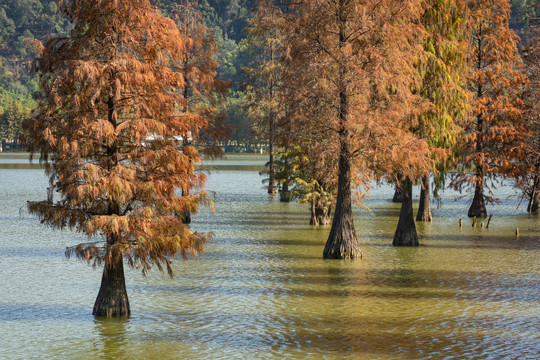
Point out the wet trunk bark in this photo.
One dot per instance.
(534, 201)
(424, 208)
(272, 187)
(342, 242)
(406, 230)
(398, 195)
(112, 299)
(478, 206)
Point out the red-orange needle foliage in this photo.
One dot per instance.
(352, 67)
(111, 106)
(494, 134)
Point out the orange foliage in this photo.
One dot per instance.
(114, 84)
(494, 134)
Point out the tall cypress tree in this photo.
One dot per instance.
(110, 111)
(492, 137)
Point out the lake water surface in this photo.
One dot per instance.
(262, 290)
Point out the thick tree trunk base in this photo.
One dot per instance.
(342, 244)
(320, 216)
(406, 234)
(478, 206)
(112, 299)
(424, 207)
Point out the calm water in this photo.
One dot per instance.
(261, 289)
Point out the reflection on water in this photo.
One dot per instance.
(262, 290)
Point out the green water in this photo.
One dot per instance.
(261, 290)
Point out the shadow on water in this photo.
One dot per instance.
(41, 312)
(335, 282)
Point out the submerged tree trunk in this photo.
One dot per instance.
(112, 299)
(398, 195)
(186, 215)
(320, 215)
(424, 208)
(478, 206)
(342, 242)
(406, 230)
(272, 186)
(534, 201)
(285, 195)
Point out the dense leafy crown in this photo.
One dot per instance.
(110, 114)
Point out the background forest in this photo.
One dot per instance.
(22, 21)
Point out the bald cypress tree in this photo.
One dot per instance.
(110, 110)
(443, 71)
(353, 72)
(494, 134)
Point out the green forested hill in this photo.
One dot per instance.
(22, 21)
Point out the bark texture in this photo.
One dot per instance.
(424, 207)
(534, 201)
(478, 206)
(398, 195)
(112, 299)
(406, 230)
(272, 186)
(342, 242)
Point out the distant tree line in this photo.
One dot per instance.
(23, 21)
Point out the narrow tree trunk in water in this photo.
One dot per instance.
(112, 299)
(406, 230)
(478, 206)
(272, 187)
(398, 195)
(285, 195)
(186, 216)
(424, 208)
(534, 201)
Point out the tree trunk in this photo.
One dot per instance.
(272, 187)
(406, 230)
(398, 195)
(534, 201)
(320, 215)
(478, 206)
(342, 242)
(424, 208)
(112, 299)
(186, 215)
(285, 195)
